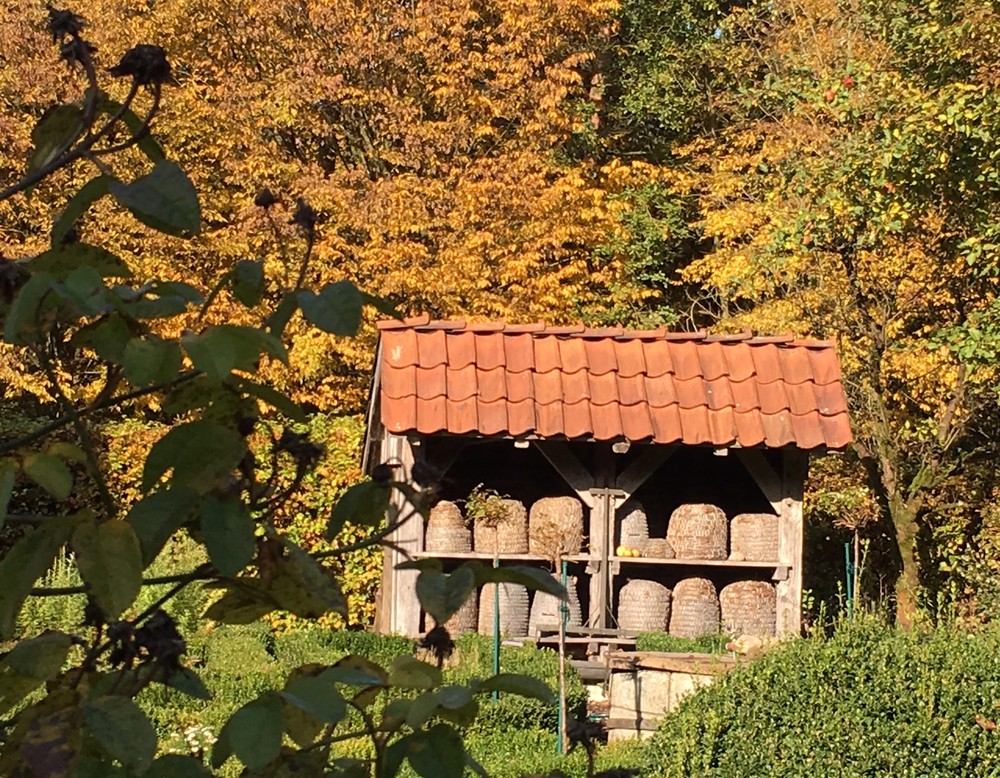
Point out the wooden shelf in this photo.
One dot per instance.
(628, 560)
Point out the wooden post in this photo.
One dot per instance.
(402, 609)
(791, 537)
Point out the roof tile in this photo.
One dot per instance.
(713, 360)
(519, 353)
(684, 356)
(461, 349)
(497, 379)
(432, 349)
(462, 416)
(628, 355)
(636, 422)
(492, 384)
(462, 383)
(431, 382)
(601, 358)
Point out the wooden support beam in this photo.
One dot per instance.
(769, 481)
(647, 463)
(790, 540)
(398, 586)
(564, 461)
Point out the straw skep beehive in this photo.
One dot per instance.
(695, 609)
(749, 608)
(698, 531)
(506, 533)
(555, 527)
(657, 548)
(753, 537)
(546, 608)
(446, 530)
(634, 526)
(644, 606)
(513, 609)
(465, 619)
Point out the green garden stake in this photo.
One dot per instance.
(496, 629)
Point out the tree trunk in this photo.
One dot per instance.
(904, 519)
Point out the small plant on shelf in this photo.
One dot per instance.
(485, 506)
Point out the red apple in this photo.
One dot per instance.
(848, 82)
(829, 94)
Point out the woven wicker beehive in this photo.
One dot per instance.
(644, 606)
(446, 531)
(513, 610)
(753, 537)
(749, 608)
(466, 618)
(555, 526)
(657, 548)
(695, 609)
(698, 531)
(634, 527)
(507, 536)
(545, 608)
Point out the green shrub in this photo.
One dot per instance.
(661, 641)
(474, 659)
(868, 701)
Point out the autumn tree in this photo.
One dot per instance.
(839, 164)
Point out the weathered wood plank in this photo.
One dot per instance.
(769, 481)
(693, 664)
(564, 461)
(644, 725)
(647, 463)
(409, 537)
(790, 541)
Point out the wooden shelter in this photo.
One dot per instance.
(606, 416)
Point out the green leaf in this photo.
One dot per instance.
(78, 205)
(184, 680)
(422, 710)
(151, 360)
(316, 696)
(278, 320)
(522, 685)
(200, 453)
(41, 658)
(146, 143)
(443, 594)
(164, 199)
(25, 563)
(240, 605)
(61, 261)
(306, 588)
(53, 134)
(156, 517)
(531, 577)
(110, 563)
(381, 305)
(437, 753)
(108, 337)
(229, 534)
(22, 325)
(336, 309)
(220, 350)
(410, 673)
(84, 290)
(253, 733)
(7, 475)
(421, 564)
(122, 730)
(67, 451)
(272, 397)
(364, 504)
(50, 473)
(454, 697)
(177, 766)
(248, 281)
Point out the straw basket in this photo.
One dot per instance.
(546, 610)
(446, 531)
(634, 527)
(507, 536)
(695, 609)
(749, 608)
(644, 606)
(698, 531)
(657, 548)
(513, 610)
(555, 526)
(754, 537)
(465, 618)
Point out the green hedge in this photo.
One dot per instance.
(869, 701)
(661, 641)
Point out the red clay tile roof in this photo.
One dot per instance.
(610, 384)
